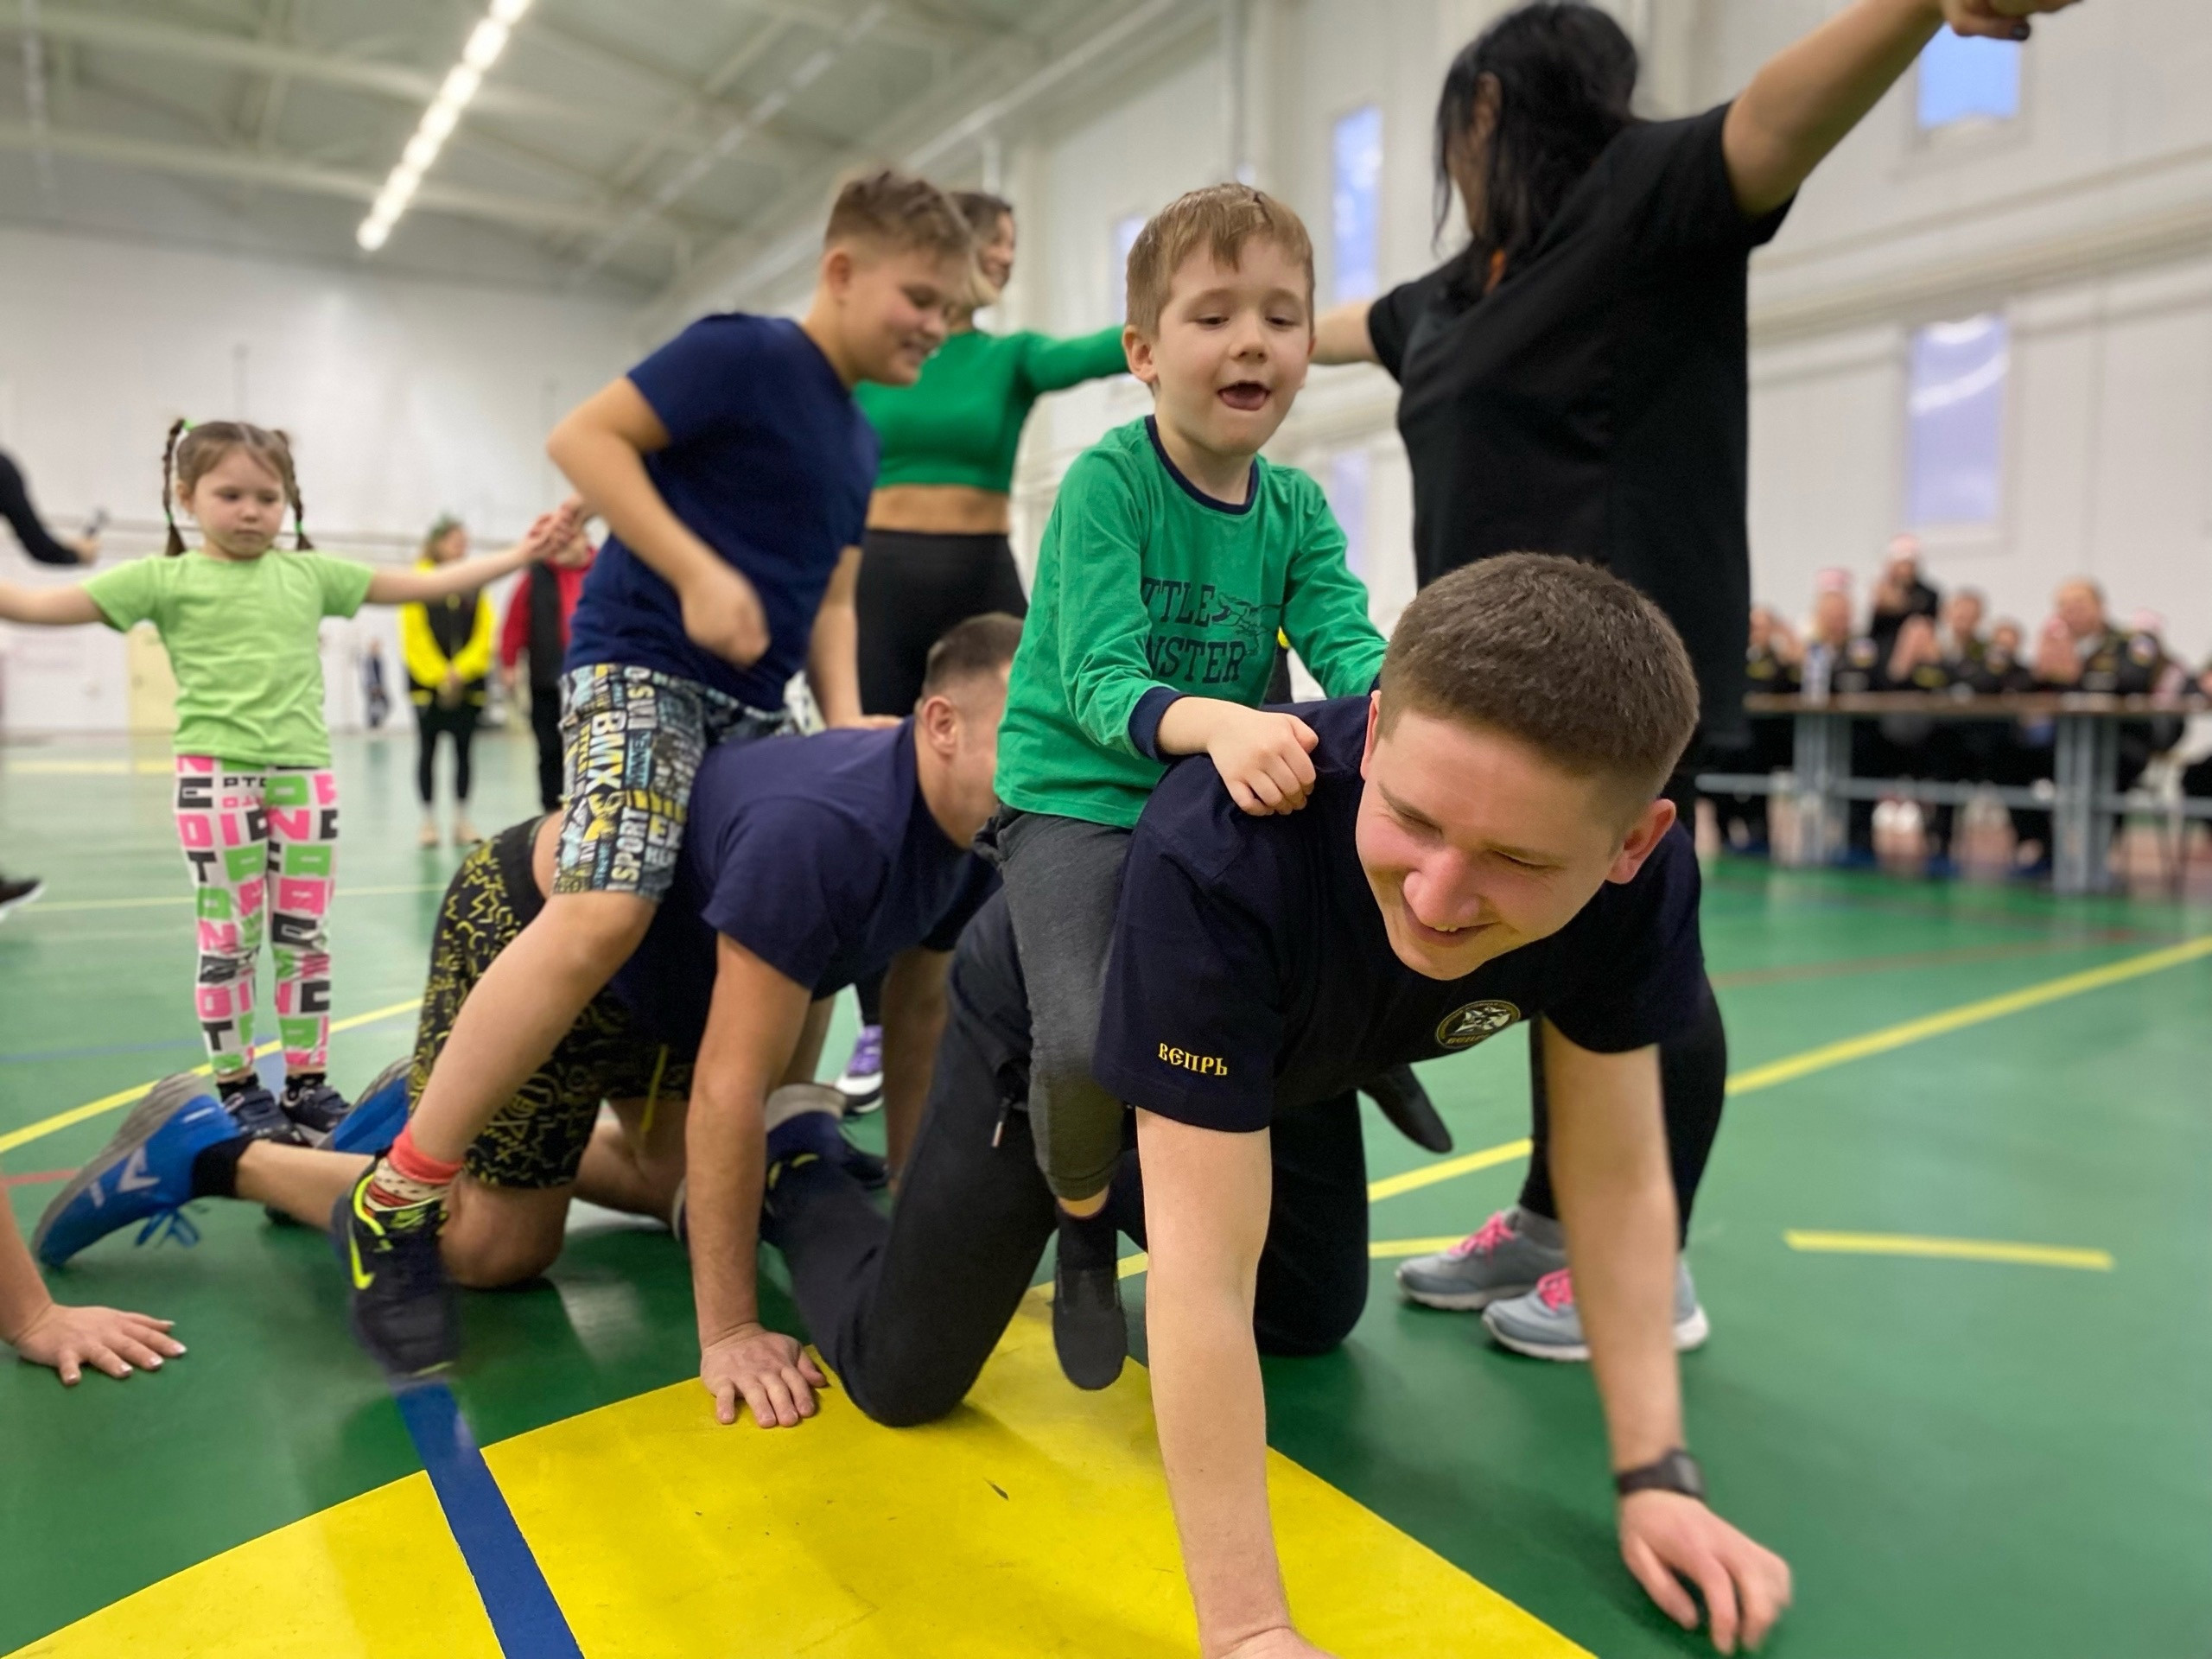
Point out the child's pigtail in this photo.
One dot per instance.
(175, 545)
(292, 488)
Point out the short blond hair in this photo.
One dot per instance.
(1220, 218)
(900, 211)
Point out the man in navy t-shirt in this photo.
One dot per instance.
(1484, 844)
(813, 861)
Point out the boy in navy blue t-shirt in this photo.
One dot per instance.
(733, 467)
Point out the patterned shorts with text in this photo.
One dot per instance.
(634, 740)
(537, 1139)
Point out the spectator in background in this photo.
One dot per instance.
(30, 529)
(2196, 778)
(1851, 664)
(376, 693)
(48, 549)
(537, 623)
(1963, 647)
(2004, 666)
(1770, 667)
(448, 644)
(1901, 592)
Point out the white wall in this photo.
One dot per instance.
(404, 399)
(2087, 222)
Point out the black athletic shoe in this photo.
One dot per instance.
(15, 893)
(317, 1108)
(864, 1166)
(402, 1308)
(1089, 1332)
(256, 1112)
(1407, 1106)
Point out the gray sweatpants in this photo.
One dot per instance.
(1063, 877)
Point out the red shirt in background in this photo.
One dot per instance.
(514, 632)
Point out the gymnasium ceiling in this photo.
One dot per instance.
(612, 147)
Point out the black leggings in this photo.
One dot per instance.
(906, 1310)
(545, 726)
(1693, 1078)
(460, 724)
(914, 585)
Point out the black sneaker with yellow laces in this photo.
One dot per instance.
(402, 1306)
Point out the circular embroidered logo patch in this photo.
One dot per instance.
(1477, 1022)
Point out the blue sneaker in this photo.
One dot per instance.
(378, 1117)
(143, 1174)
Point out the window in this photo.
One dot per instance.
(1964, 80)
(1126, 232)
(1356, 225)
(1956, 423)
(1347, 492)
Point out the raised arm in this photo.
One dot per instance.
(602, 445)
(1340, 334)
(1609, 1163)
(50, 607)
(1055, 365)
(546, 532)
(1206, 1194)
(1809, 96)
(753, 1025)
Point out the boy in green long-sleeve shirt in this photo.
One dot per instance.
(1172, 556)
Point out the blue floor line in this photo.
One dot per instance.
(524, 1615)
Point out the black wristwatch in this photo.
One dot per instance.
(1677, 1472)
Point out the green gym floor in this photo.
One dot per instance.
(1963, 1450)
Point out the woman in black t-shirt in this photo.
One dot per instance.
(1574, 381)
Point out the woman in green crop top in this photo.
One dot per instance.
(936, 551)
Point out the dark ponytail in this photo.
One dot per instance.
(291, 478)
(1565, 73)
(175, 544)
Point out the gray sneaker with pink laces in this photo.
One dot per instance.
(1544, 1323)
(1504, 1257)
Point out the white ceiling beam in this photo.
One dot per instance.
(801, 147)
(401, 83)
(902, 24)
(310, 179)
(759, 257)
(673, 189)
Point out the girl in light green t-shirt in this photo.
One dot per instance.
(256, 803)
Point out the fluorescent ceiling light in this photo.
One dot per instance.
(485, 42)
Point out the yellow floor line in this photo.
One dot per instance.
(92, 768)
(1382, 1249)
(1971, 1014)
(93, 1108)
(1951, 1250)
(53, 908)
(1390, 1186)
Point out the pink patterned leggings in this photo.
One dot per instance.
(262, 847)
